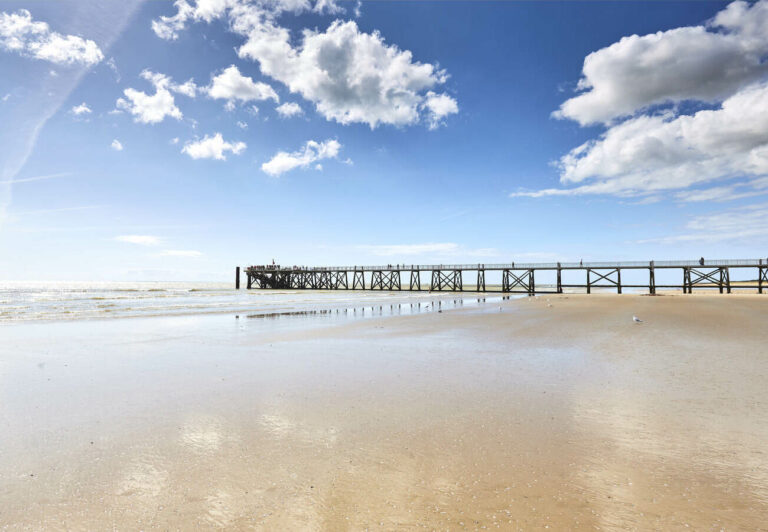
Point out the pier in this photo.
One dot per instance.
(516, 278)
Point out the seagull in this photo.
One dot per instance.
(636, 319)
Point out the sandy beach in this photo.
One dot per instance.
(557, 412)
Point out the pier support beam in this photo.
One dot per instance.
(604, 275)
(559, 279)
(237, 278)
(762, 277)
(481, 280)
(358, 280)
(510, 280)
(338, 280)
(385, 280)
(714, 277)
(652, 279)
(415, 283)
(446, 280)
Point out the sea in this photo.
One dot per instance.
(34, 301)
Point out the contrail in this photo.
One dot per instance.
(35, 178)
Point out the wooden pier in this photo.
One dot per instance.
(516, 278)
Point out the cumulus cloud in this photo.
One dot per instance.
(706, 63)
(289, 109)
(21, 34)
(153, 108)
(232, 86)
(439, 106)
(716, 153)
(311, 152)
(212, 148)
(81, 109)
(141, 240)
(349, 75)
(117, 145)
(657, 153)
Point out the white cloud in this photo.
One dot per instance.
(21, 34)
(168, 27)
(189, 253)
(188, 88)
(350, 76)
(153, 108)
(748, 224)
(439, 106)
(232, 86)
(657, 153)
(212, 148)
(81, 109)
(715, 154)
(141, 240)
(311, 152)
(242, 125)
(175, 140)
(289, 109)
(707, 63)
(117, 145)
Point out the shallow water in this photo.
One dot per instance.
(24, 301)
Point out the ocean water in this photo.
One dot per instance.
(32, 301)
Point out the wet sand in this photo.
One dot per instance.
(556, 412)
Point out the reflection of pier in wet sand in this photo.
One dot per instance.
(515, 277)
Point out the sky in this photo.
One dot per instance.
(174, 141)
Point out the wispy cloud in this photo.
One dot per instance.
(431, 248)
(750, 222)
(190, 253)
(141, 240)
(59, 209)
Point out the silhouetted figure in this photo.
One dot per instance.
(701, 261)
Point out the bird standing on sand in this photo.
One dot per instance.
(636, 319)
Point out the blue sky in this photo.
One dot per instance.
(385, 132)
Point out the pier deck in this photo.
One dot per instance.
(515, 277)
